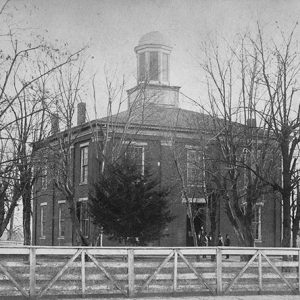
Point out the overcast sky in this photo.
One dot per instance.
(112, 28)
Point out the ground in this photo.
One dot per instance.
(251, 297)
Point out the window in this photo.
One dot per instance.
(61, 219)
(60, 168)
(256, 224)
(44, 177)
(43, 220)
(153, 66)
(142, 66)
(137, 153)
(256, 221)
(165, 67)
(83, 216)
(195, 168)
(84, 155)
(250, 159)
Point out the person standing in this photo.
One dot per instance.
(210, 244)
(220, 240)
(227, 243)
(204, 241)
(200, 239)
(210, 239)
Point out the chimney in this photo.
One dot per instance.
(251, 123)
(81, 112)
(54, 123)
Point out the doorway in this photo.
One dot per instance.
(200, 212)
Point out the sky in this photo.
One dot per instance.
(111, 29)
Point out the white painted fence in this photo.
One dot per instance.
(34, 272)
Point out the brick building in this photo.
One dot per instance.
(165, 138)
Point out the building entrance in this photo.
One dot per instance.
(200, 213)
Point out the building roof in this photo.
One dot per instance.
(161, 117)
(154, 38)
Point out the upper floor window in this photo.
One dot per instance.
(195, 168)
(61, 219)
(153, 66)
(43, 207)
(84, 155)
(44, 177)
(137, 153)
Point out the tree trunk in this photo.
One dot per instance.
(296, 220)
(247, 219)
(10, 211)
(248, 236)
(11, 227)
(233, 220)
(27, 215)
(191, 218)
(286, 188)
(2, 207)
(286, 240)
(295, 229)
(214, 210)
(76, 223)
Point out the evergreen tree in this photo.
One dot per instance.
(129, 206)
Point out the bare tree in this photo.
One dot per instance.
(108, 135)
(280, 65)
(29, 123)
(119, 128)
(237, 150)
(9, 194)
(26, 70)
(189, 162)
(68, 87)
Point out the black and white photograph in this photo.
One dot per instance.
(150, 149)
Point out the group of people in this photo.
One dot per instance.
(205, 240)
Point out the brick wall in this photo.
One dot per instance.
(159, 157)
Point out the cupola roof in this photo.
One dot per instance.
(154, 38)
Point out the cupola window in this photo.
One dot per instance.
(153, 59)
(142, 66)
(153, 66)
(165, 67)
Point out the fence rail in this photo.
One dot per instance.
(34, 272)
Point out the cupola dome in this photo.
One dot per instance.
(154, 38)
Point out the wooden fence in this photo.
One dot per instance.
(35, 272)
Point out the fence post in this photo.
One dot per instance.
(32, 273)
(219, 270)
(83, 273)
(175, 271)
(259, 272)
(299, 271)
(130, 261)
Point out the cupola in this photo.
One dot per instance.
(153, 59)
(153, 69)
